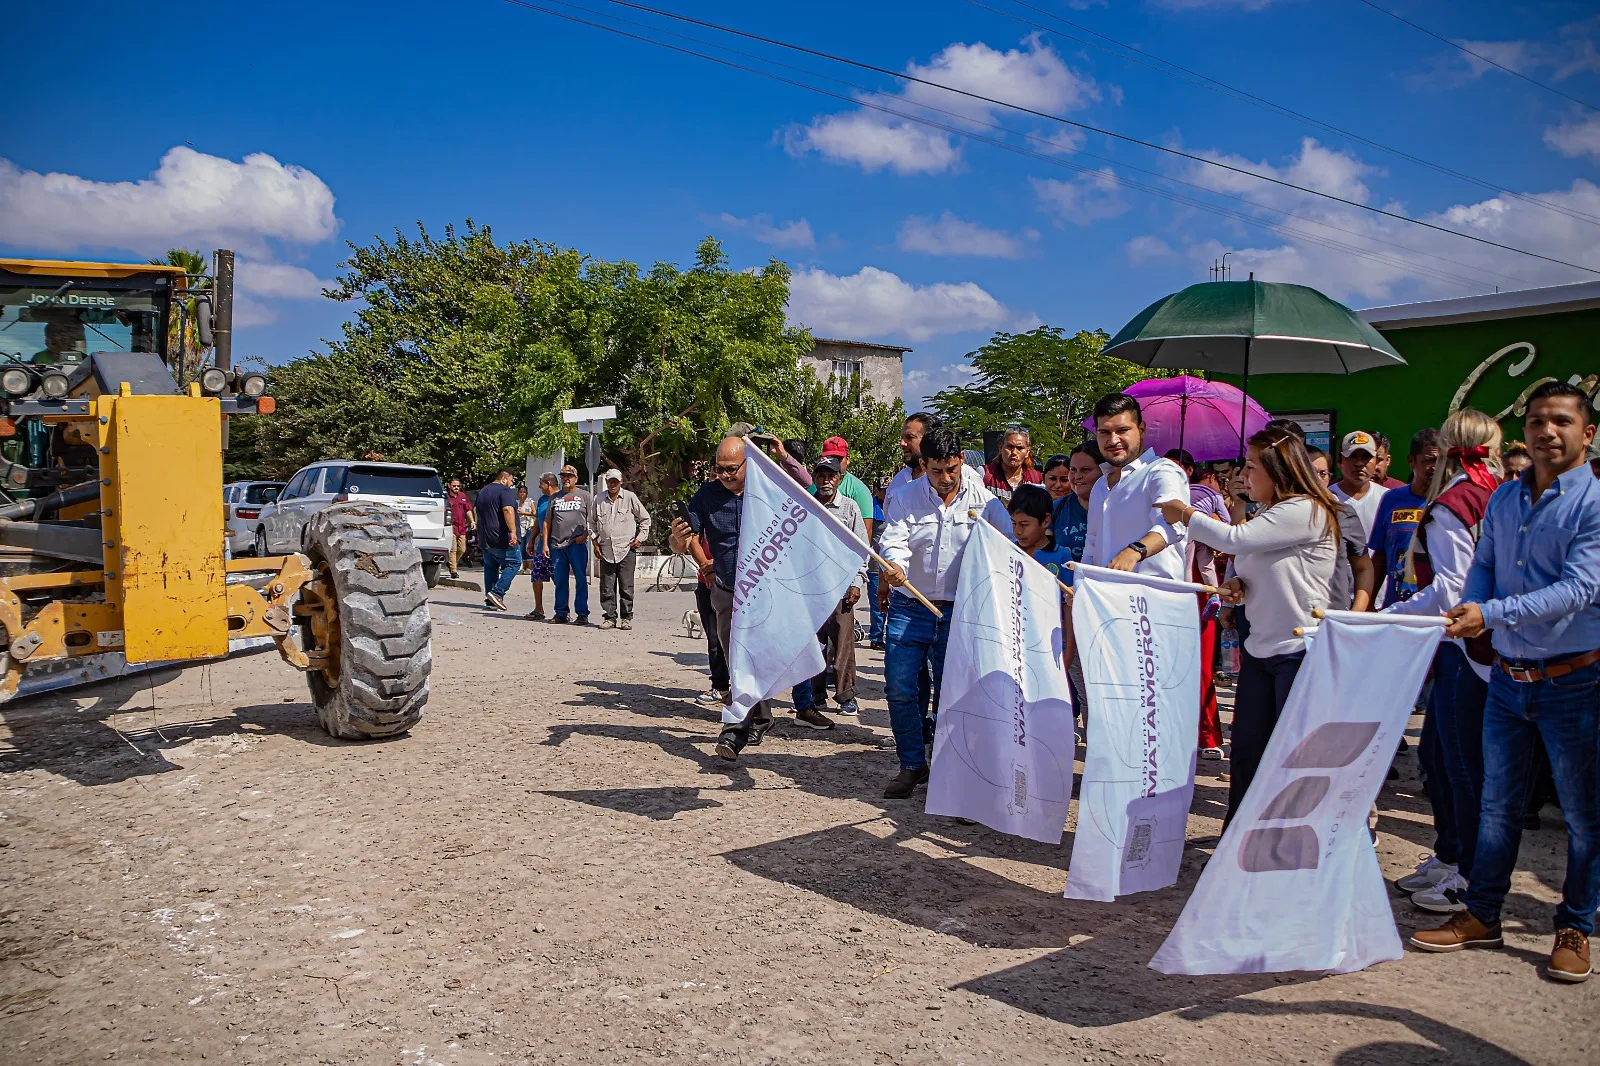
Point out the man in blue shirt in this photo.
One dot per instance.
(1535, 586)
(1398, 516)
(497, 535)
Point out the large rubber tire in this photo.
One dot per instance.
(386, 633)
(430, 573)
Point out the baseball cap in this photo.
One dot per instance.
(741, 429)
(829, 462)
(836, 446)
(612, 475)
(1358, 441)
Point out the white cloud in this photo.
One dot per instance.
(1145, 250)
(793, 234)
(1410, 270)
(918, 386)
(874, 303)
(1579, 137)
(191, 199)
(1573, 53)
(949, 235)
(1091, 197)
(279, 280)
(1033, 76)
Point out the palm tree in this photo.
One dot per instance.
(185, 354)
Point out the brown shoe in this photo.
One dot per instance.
(1569, 960)
(1461, 931)
(905, 783)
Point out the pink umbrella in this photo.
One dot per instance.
(1199, 416)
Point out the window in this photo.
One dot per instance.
(297, 485)
(843, 370)
(414, 482)
(260, 492)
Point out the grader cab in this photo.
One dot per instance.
(111, 517)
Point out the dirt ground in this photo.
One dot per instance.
(553, 867)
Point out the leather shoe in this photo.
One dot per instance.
(1569, 959)
(905, 783)
(1461, 931)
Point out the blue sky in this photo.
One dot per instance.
(286, 129)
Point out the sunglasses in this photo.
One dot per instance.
(569, 473)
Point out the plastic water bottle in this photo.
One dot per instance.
(1230, 651)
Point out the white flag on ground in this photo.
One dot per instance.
(1294, 883)
(795, 563)
(1003, 753)
(1138, 637)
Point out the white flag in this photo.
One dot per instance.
(1003, 753)
(1138, 637)
(1294, 883)
(795, 563)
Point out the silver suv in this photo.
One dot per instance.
(242, 502)
(414, 491)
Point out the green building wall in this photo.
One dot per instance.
(1398, 401)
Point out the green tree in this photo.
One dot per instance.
(1044, 379)
(846, 409)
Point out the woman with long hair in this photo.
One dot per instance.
(1058, 476)
(1441, 553)
(1283, 561)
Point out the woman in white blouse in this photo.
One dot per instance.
(1283, 558)
(1440, 555)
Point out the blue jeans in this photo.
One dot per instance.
(876, 623)
(1565, 713)
(1457, 711)
(916, 642)
(500, 566)
(572, 560)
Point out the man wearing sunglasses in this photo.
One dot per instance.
(714, 510)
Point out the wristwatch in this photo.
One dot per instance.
(1138, 546)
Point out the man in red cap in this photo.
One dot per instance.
(852, 487)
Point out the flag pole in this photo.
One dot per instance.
(848, 532)
(1170, 582)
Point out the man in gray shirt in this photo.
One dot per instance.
(620, 524)
(567, 533)
(838, 633)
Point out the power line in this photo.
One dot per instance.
(1097, 129)
(1189, 76)
(1458, 46)
(965, 131)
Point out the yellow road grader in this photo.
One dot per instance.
(112, 550)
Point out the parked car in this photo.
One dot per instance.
(414, 491)
(242, 502)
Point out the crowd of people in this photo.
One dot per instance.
(550, 538)
(1501, 539)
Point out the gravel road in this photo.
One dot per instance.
(553, 867)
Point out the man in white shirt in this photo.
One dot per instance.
(1358, 464)
(926, 525)
(1126, 530)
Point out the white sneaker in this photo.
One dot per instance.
(1430, 873)
(1447, 897)
(1211, 754)
(711, 695)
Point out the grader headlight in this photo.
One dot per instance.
(16, 381)
(54, 384)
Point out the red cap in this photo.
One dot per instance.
(836, 446)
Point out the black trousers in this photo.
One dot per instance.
(1258, 701)
(708, 625)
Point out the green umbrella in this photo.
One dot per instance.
(1245, 327)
